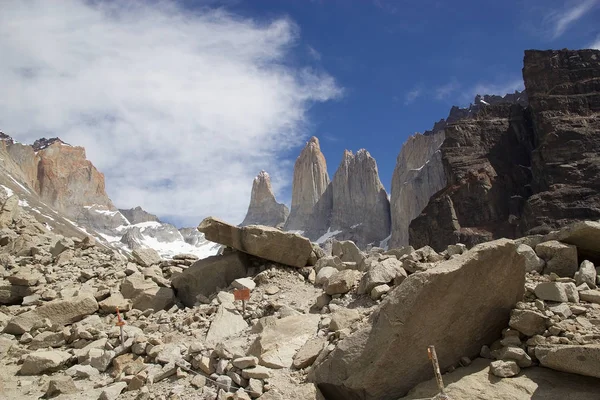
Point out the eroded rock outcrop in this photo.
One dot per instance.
(263, 208)
(310, 182)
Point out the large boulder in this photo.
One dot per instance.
(585, 235)
(560, 258)
(582, 360)
(261, 241)
(458, 306)
(59, 312)
(206, 276)
(228, 322)
(146, 257)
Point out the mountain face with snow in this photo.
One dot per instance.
(66, 194)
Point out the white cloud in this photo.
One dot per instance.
(595, 45)
(179, 109)
(489, 88)
(445, 90)
(561, 20)
(412, 96)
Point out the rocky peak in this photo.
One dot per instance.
(138, 215)
(4, 137)
(360, 202)
(310, 182)
(263, 208)
(44, 143)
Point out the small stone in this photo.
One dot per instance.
(504, 369)
(271, 290)
(61, 385)
(255, 387)
(527, 322)
(561, 310)
(113, 391)
(244, 283)
(198, 381)
(379, 291)
(586, 274)
(465, 361)
(551, 291)
(224, 382)
(258, 372)
(245, 362)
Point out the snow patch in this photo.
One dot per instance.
(327, 235)
(23, 203)
(297, 231)
(17, 182)
(355, 226)
(8, 191)
(384, 243)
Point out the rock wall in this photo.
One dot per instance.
(512, 170)
(263, 208)
(138, 215)
(564, 93)
(310, 182)
(486, 184)
(418, 175)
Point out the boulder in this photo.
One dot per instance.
(9, 211)
(156, 298)
(532, 261)
(324, 274)
(329, 261)
(279, 342)
(582, 360)
(146, 257)
(207, 276)
(528, 322)
(480, 288)
(560, 258)
(341, 281)
(61, 245)
(260, 241)
(475, 383)
(504, 369)
(308, 353)
(380, 274)
(347, 251)
(43, 361)
(343, 318)
(592, 296)
(59, 312)
(585, 235)
(114, 301)
(586, 274)
(228, 322)
(552, 291)
(61, 385)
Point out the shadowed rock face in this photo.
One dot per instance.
(264, 209)
(486, 164)
(513, 171)
(137, 215)
(310, 182)
(420, 172)
(564, 93)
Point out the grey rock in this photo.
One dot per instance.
(263, 208)
(560, 258)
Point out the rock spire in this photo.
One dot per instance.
(263, 208)
(310, 182)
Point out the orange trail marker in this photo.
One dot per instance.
(120, 324)
(243, 295)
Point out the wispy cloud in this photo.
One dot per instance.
(203, 99)
(573, 12)
(314, 53)
(596, 44)
(446, 90)
(411, 96)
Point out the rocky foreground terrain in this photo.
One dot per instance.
(510, 319)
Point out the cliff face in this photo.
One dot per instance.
(137, 215)
(310, 182)
(67, 180)
(564, 93)
(486, 165)
(263, 208)
(512, 170)
(419, 171)
(360, 202)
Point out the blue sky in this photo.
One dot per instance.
(403, 64)
(181, 103)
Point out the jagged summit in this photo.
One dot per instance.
(44, 143)
(263, 208)
(310, 182)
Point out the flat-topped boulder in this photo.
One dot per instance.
(260, 241)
